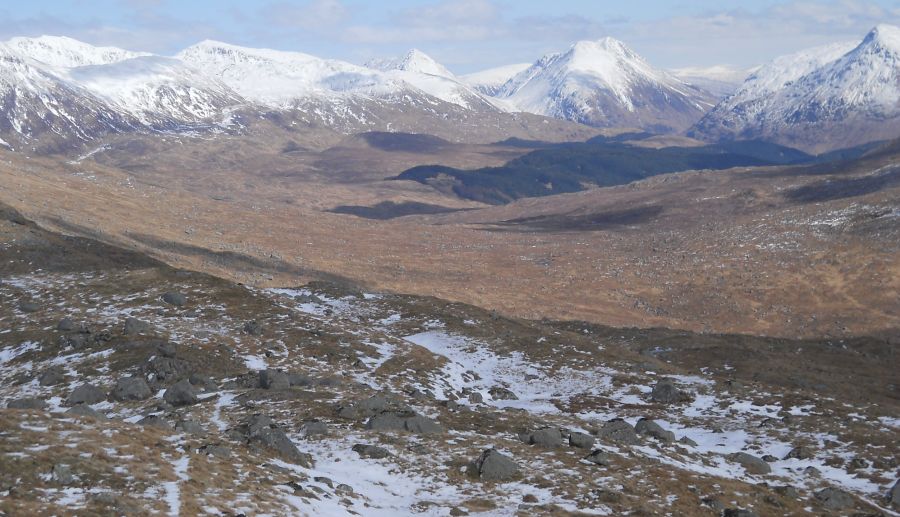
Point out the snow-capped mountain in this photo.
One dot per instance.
(719, 80)
(34, 101)
(824, 98)
(604, 83)
(424, 73)
(63, 52)
(161, 93)
(278, 79)
(490, 81)
(58, 93)
(414, 61)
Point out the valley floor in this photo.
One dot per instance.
(385, 402)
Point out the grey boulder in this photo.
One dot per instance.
(581, 440)
(618, 431)
(86, 394)
(131, 388)
(751, 463)
(371, 451)
(176, 299)
(651, 428)
(182, 393)
(834, 499)
(273, 380)
(492, 465)
(26, 403)
(665, 392)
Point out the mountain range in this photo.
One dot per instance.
(58, 93)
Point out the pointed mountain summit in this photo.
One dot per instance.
(820, 99)
(606, 84)
(414, 61)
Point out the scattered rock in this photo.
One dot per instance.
(261, 431)
(176, 299)
(599, 457)
(476, 398)
(894, 495)
(189, 427)
(86, 394)
(26, 403)
(182, 393)
(202, 382)
(548, 437)
(618, 431)
(167, 349)
(687, 441)
(751, 463)
(62, 475)
(834, 499)
(166, 369)
(273, 380)
(155, 421)
(787, 491)
(364, 408)
(135, 326)
(581, 440)
(29, 306)
(218, 451)
(66, 325)
(665, 392)
(131, 388)
(371, 451)
(254, 328)
(501, 393)
(800, 453)
(494, 466)
(651, 428)
(314, 428)
(84, 410)
(422, 425)
(52, 376)
(737, 512)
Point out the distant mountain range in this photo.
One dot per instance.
(56, 93)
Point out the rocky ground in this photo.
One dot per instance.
(129, 387)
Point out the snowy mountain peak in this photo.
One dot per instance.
(819, 99)
(414, 61)
(64, 52)
(884, 36)
(605, 83)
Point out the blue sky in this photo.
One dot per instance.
(465, 35)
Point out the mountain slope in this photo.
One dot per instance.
(604, 83)
(720, 80)
(161, 93)
(491, 81)
(424, 73)
(60, 51)
(825, 98)
(35, 103)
